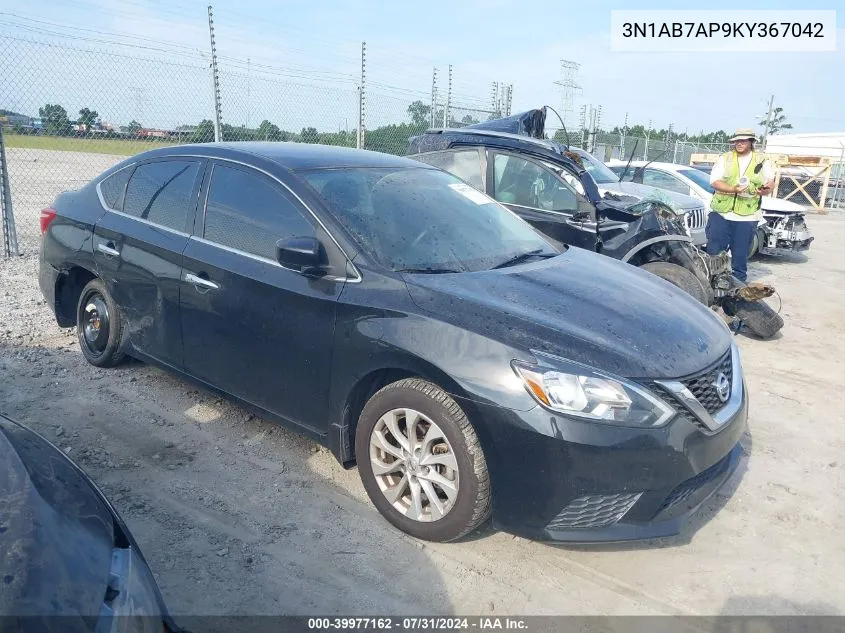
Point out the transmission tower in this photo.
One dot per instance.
(569, 88)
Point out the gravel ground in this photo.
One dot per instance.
(240, 516)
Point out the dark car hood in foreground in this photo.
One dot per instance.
(584, 307)
(56, 534)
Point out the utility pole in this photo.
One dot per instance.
(248, 84)
(448, 100)
(768, 122)
(433, 97)
(215, 78)
(10, 238)
(362, 95)
(569, 87)
(647, 135)
(624, 133)
(494, 97)
(583, 123)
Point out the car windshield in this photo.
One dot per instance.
(425, 220)
(598, 170)
(699, 178)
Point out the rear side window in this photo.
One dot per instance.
(465, 164)
(113, 187)
(160, 192)
(249, 212)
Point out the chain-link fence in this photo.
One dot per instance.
(70, 110)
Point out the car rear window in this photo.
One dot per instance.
(160, 192)
(113, 187)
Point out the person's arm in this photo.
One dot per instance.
(717, 175)
(768, 179)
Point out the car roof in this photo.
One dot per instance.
(293, 156)
(506, 138)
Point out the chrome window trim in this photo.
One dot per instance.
(155, 225)
(358, 277)
(267, 260)
(100, 193)
(718, 420)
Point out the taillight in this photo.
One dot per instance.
(47, 216)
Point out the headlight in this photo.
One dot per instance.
(581, 391)
(131, 604)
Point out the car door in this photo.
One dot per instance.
(254, 329)
(538, 195)
(138, 244)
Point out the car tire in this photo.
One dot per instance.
(758, 317)
(449, 464)
(99, 326)
(755, 244)
(680, 277)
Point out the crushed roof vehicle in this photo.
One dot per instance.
(551, 186)
(64, 550)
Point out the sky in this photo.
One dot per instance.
(148, 60)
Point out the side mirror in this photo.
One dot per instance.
(302, 254)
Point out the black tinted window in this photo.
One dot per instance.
(247, 211)
(113, 188)
(161, 192)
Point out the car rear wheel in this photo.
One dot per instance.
(99, 326)
(680, 277)
(421, 462)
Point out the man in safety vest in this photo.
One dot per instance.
(740, 177)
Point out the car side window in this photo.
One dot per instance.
(527, 184)
(161, 191)
(463, 163)
(114, 187)
(247, 211)
(662, 180)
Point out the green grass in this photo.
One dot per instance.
(94, 145)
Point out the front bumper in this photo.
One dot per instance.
(560, 479)
(781, 242)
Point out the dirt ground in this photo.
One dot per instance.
(237, 515)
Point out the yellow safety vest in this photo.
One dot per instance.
(737, 203)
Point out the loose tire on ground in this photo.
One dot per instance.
(470, 507)
(758, 316)
(679, 277)
(97, 307)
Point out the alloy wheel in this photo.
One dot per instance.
(414, 465)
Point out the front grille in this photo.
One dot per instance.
(696, 218)
(688, 488)
(703, 388)
(594, 511)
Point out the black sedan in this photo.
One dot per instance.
(64, 550)
(413, 325)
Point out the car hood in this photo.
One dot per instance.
(56, 533)
(676, 201)
(784, 206)
(584, 307)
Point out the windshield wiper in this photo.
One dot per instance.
(516, 259)
(432, 271)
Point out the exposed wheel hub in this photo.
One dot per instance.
(95, 323)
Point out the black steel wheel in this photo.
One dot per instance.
(99, 327)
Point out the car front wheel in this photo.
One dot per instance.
(421, 462)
